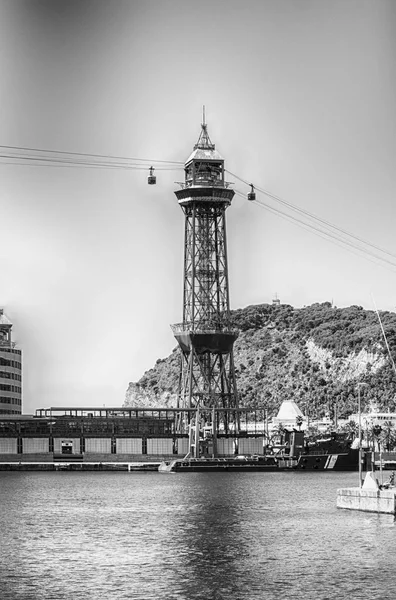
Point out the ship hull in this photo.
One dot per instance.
(342, 461)
(261, 463)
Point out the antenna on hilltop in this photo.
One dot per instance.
(276, 300)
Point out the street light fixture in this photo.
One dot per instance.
(359, 385)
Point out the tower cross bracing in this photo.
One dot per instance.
(206, 336)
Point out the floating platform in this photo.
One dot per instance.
(370, 498)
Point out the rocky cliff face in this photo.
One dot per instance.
(344, 369)
(314, 355)
(139, 396)
(158, 386)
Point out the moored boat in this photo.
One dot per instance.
(235, 463)
(333, 452)
(340, 461)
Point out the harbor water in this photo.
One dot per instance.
(209, 536)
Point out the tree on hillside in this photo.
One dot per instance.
(274, 363)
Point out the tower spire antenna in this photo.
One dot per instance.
(204, 141)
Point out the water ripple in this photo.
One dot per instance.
(209, 536)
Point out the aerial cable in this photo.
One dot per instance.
(329, 233)
(360, 252)
(149, 160)
(326, 223)
(331, 237)
(68, 161)
(339, 241)
(77, 163)
(70, 165)
(312, 216)
(64, 163)
(71, 161)
(64, 160)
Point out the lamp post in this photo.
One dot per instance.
(360, 434)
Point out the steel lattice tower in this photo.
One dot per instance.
(205, 336)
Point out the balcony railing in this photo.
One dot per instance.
(208, 327)
(203, 182)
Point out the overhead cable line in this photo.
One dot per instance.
(80, 165)
(340, 242)
(59, 158)
(314, 217)
(63, 161)
(108, 156)
(60, 161)
(329, 236)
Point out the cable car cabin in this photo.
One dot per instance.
(151, 179)
(252, 194)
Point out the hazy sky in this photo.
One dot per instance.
(300, 99)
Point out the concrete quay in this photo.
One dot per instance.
(379, 501)
(371, 497)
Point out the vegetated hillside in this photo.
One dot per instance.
(314, 355)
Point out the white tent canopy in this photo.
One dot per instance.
(287, 415)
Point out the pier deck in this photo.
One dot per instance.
(379, 501)
(79, 466)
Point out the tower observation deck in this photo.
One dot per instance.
(205, 336)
